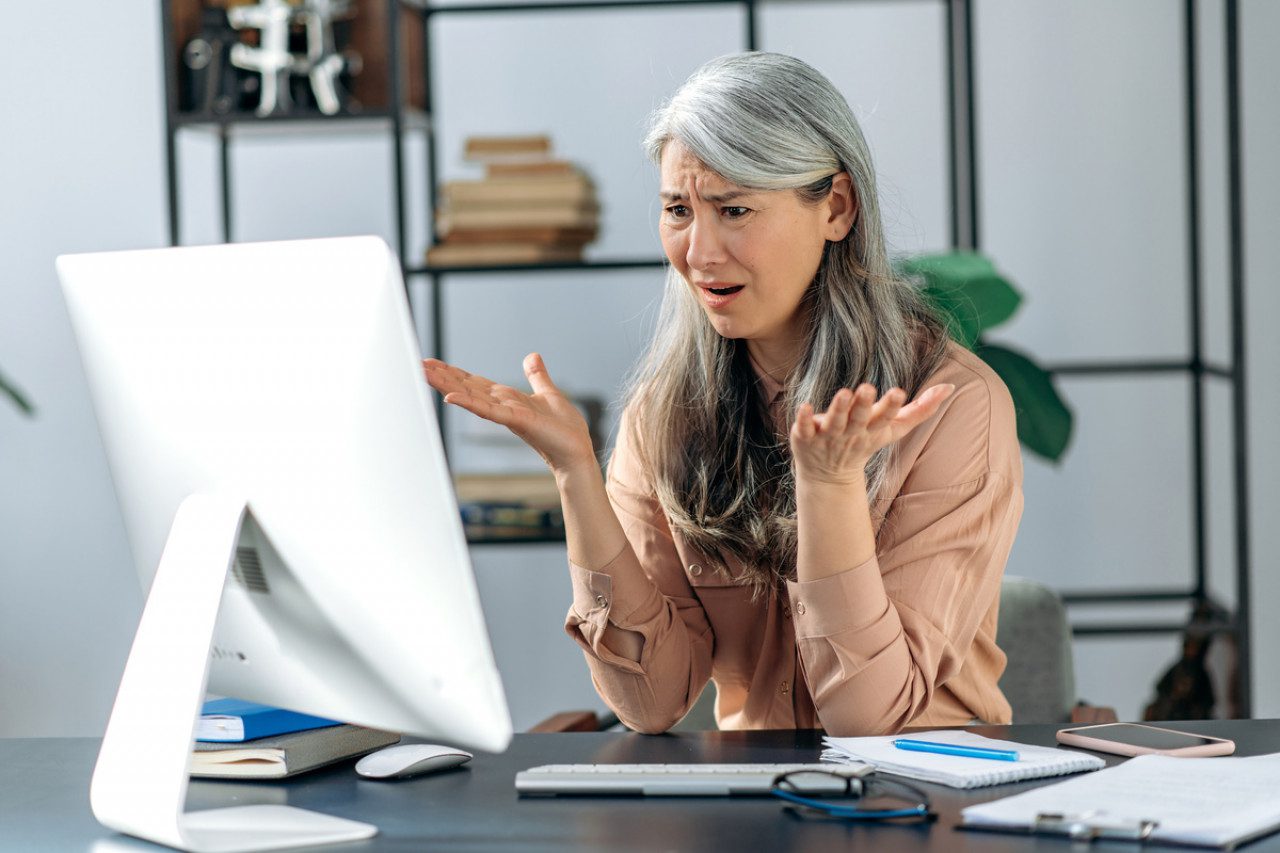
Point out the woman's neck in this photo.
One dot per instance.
(773, 358)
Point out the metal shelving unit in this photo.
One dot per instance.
(964, 196)
(1199, 372)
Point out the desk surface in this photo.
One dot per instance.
(44, 799)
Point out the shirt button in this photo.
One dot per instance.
(601, 600)
(695, 570)
(800, 607)
(785, 687)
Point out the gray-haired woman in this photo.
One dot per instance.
(777, 516)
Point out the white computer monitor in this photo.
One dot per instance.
(285, 492)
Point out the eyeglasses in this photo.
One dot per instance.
(876, 798)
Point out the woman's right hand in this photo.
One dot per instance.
(545, 420)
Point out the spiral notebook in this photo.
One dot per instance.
(1034, 762)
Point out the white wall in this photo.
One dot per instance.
(1081, 145)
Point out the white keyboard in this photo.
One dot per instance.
(674, 780)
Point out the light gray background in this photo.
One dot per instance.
(1083, 205)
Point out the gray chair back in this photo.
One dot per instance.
(1040, 680)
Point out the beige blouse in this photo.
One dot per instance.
(905, 639)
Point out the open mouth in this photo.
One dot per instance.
(725, 291)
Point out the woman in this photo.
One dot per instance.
(777, 516)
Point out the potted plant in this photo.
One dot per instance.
(972, 296)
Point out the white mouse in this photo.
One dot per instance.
(410, 759)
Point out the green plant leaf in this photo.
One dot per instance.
(8, 390)
(1044, 419)
(956, 267)
(966, 289)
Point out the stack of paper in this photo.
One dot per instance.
(1034, 762)
(1219, 802)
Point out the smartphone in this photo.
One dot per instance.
(1137, 739)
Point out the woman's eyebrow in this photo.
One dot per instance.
(714, 198)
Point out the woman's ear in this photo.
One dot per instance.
(841, 208)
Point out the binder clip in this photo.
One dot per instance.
(1095, 825)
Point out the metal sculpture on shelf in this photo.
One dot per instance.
(323, 63)
(275, 62)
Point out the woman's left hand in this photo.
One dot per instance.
(833, 447)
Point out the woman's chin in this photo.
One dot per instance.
(726, 327)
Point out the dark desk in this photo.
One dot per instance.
(44, 799)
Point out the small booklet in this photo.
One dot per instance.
(224, 720)
(1202, 802)
(286, 755)
(1034, 762)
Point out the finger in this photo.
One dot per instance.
(886, 409)
(864, 396)
(804, 428)
(836, 418)
(490, 410)
(922, 408)
(505, 395)
(445, 377)
(439, 376)
(536, 371)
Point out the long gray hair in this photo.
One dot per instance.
(722, 475)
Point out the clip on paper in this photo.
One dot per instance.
(1094, 825)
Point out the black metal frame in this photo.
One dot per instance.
(1199, 372)
(965, 218)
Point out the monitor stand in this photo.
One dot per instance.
(140, 782)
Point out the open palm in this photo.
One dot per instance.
(545, 419)
(835, 446)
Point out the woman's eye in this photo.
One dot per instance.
(735, 212)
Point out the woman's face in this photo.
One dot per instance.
(749, 255)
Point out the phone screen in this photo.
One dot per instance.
(1146, 736)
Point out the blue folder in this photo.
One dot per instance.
(234, 720)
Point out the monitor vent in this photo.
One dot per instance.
(247, 570)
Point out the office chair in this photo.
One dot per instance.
(1039, 680)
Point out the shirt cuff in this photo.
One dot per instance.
(588, 617)
(838, 603)
(592, 592)
(619, 592)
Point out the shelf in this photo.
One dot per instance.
(1132, 628)
(560, 266)
(542, 6)
(301, 121)
(1121, 366)
(1127, 596)
(411, 49)
(521, 539)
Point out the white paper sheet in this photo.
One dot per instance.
(1214, 801)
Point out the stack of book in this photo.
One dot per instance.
(238, 739)
(530, 207)
(510, 506)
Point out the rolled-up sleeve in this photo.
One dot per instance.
(643, 590)
(877, 640)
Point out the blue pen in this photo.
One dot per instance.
(953, 749)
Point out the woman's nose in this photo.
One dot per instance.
(706, 247)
